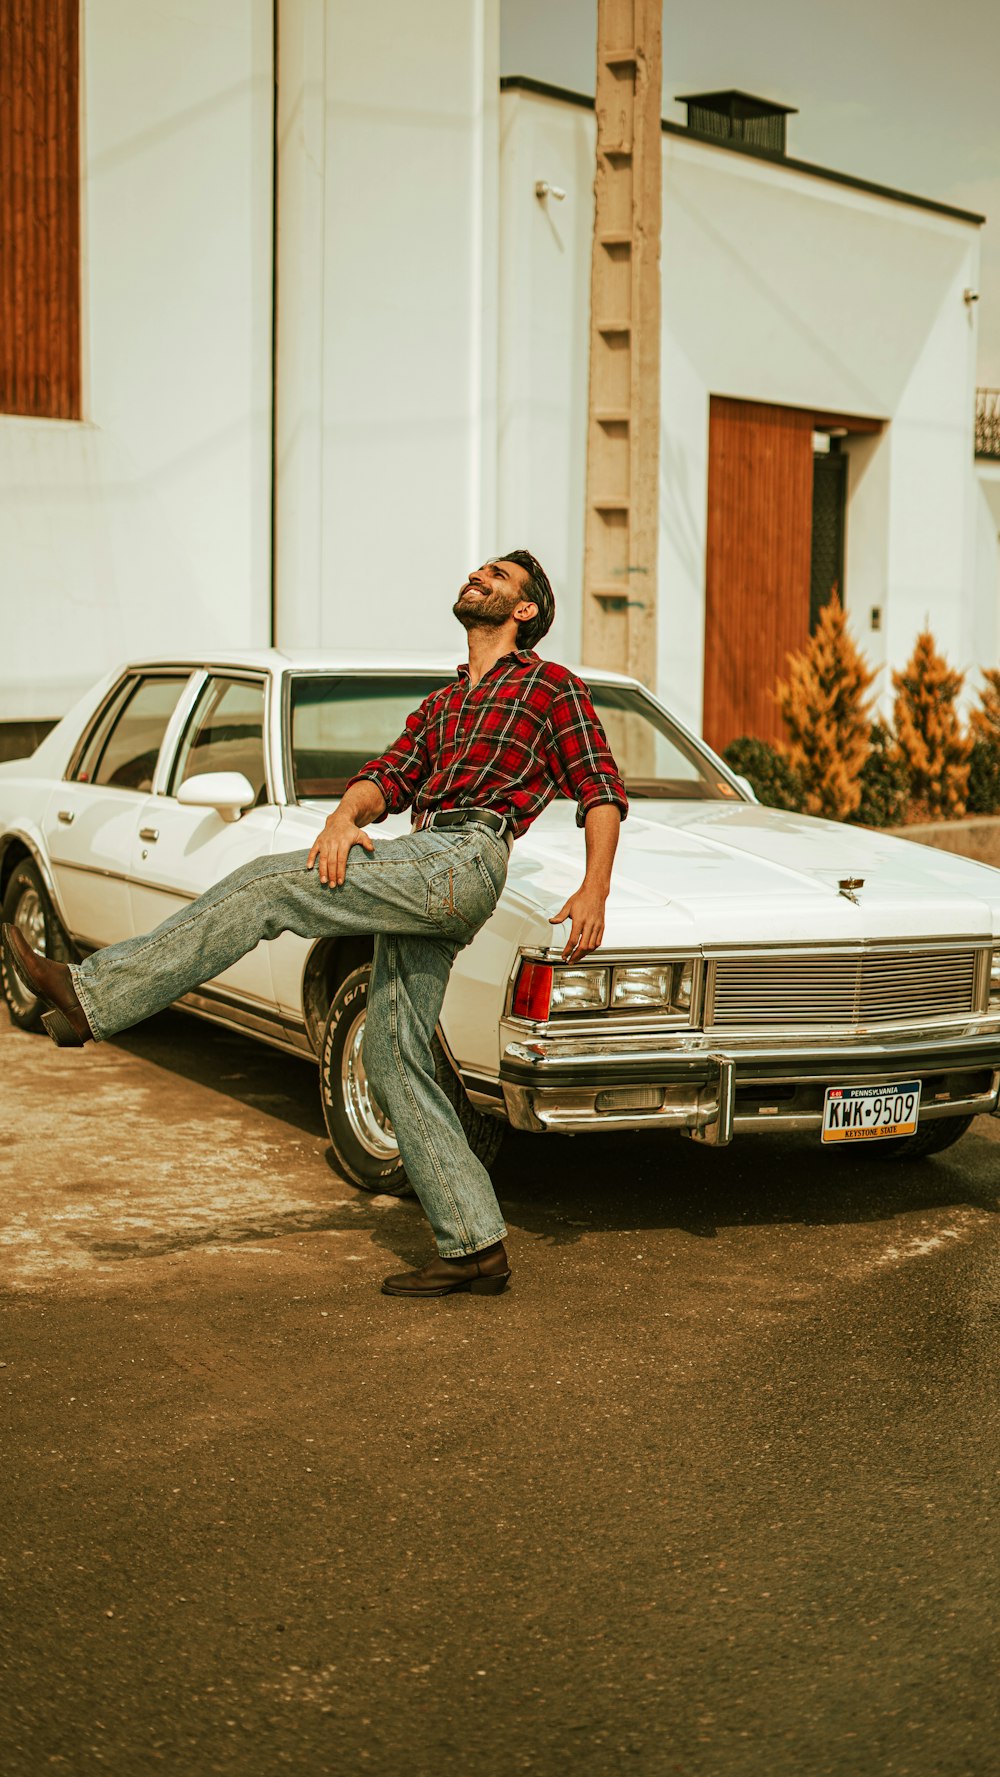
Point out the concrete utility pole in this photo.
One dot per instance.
(623, 428)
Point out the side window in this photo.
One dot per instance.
(339, 723)
(225, 733)
(123, 749)
(83, 766)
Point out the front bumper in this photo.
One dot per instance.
(712, 1093)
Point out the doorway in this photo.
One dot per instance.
(829, 524)
(777, 518)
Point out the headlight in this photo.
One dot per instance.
(550, 990)
(654, 984)
(642, 984)
(995, 981)
(683, 985)
(579, 990)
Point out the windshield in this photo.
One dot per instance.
(340, 721)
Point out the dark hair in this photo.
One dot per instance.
(539, 592)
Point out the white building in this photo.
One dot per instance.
(420, 401)
(794, 302)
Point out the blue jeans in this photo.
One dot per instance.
(423, 896)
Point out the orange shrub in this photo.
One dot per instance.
(930, 743)
(826, 708)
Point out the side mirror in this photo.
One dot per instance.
(228, 792)
(747, 786)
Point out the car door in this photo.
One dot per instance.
(180, 851)
(91, 818)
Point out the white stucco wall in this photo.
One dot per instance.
(544, 286)
(432, 353)
(387, 259)
(147, 526)
(777, 287)
(866, 546)
(987, 534)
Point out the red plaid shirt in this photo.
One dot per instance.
(526, 733)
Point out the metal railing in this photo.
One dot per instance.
(988, 422)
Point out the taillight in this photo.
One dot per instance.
(533, 991)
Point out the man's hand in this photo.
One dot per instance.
(362, 801)
(586, 907)
(586, 910)
(333, 847)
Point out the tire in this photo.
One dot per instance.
(26, 905)
(361, 1135)
(931, 1138)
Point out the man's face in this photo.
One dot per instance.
(492, 595)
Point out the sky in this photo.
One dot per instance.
(904, 92)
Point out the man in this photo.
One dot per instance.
(477, 762)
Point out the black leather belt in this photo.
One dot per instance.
(461, 817)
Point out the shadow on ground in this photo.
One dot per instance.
(560, 1187)
(244, 1071)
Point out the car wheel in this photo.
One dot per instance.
(931, 1138)
(361, 1135)
(26, 905)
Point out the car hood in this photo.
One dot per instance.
(715, 872)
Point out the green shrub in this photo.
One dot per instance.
(885, 786)
(775, 781)
(983, 795)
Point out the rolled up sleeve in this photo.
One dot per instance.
(402, 768)
(579, 757)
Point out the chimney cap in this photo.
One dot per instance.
(734, 103)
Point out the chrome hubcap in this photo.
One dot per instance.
(366, 1117)
(29, 918)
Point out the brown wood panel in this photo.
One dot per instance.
(760, 478)
(850, 422)
(40, 208)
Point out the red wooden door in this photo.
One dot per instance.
(40, 208)
(760, 487)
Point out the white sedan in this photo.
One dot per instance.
(760, 970)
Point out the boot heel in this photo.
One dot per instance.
(61, 1031)
(489, 1286)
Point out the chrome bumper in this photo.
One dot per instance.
(712, 1094)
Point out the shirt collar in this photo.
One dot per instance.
(522, 656)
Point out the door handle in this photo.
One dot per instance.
(150, 833)
(67, 817)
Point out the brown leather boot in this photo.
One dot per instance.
(66, 1020)
(485, 1273)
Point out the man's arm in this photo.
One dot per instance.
(586, 908)
(583, 766)
(361, 802)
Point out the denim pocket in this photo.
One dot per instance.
(461, 897)
(444, 902)
(492, 888)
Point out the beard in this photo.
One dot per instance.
(491, 611)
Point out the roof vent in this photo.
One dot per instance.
(738, 117)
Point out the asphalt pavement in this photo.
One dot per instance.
(711, 1490)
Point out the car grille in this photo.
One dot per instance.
(847, 992)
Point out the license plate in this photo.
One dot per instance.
(870, 1113)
